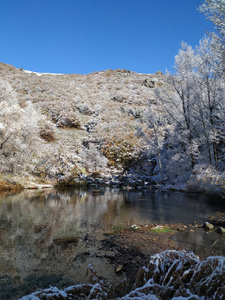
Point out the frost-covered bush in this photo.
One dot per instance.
(58, 164)
(20, 128)
(205, 179)
(47, 132)
(94, 160)
(170, 275)
(63, 114)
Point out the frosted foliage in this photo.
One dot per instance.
(2, 127)
(94, 160)
(10, 116)
(6, 92)
(13, 135)
(19, 129)
(30, 123)
(215, 11)
(187, 126)
(172, 275)
(185, 61)
(10, 135)
(206, 180)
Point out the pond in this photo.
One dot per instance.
(49, 237)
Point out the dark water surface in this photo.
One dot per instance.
(50, 236)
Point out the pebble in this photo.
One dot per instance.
(181, 229)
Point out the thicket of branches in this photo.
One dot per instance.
(189, 133)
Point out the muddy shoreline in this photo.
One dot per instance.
(133, 247)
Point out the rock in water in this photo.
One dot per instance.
(220, 230)
(208, 226)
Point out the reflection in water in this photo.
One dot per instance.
(56, 231)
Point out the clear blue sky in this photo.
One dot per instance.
(83, 36)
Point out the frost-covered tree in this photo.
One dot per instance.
(209, 89)
(94, 160)
(20, 143)
(154, 134)
(193, 109)
(10, 116)
(178, 104)
(206, 96)
(16, 139)
(194, 106)
(183, 101)
(215, 11)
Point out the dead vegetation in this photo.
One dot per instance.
(168, 274)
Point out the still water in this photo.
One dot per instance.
(52, 235)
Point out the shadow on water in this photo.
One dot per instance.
(53, 235)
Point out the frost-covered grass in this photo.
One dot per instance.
(169, 275)
(205, 179)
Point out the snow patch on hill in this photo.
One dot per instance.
(40, 74)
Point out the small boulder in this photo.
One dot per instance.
(181, 229)
(220, 230)
(208, 226)
(149, 83)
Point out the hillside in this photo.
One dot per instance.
(60, 126)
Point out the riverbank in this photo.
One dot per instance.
(10, 184)
(203, 181)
